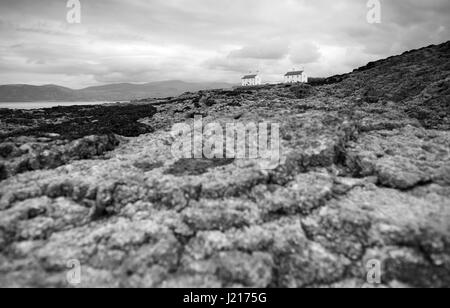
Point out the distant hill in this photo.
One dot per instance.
(27, 93)
(112, 92)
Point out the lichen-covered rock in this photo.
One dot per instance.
(402, 158)
(374, 219)
(38, 155)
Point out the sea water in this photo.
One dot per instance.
(40, 105)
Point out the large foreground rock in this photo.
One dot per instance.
(363, 176)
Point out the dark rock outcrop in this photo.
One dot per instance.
(49, 138)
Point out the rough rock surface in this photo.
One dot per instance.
(364, 175)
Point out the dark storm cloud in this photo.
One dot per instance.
(145, 40)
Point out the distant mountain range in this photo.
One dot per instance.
(113, 92)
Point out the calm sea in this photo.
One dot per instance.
(39, 105)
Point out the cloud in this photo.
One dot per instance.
(147, 40)
(269, 50)
(231, 65)
(304, 53)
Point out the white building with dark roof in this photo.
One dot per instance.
(295, 77)
(251, 80)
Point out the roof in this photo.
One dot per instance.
(294, 73)
(249, 76)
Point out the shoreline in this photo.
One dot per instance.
(45, 105)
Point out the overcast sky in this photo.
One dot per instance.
(199, 40)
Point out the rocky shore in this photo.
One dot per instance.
(365, 175)
(48, 138)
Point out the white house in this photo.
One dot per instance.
(295, 77)
(251, 80)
